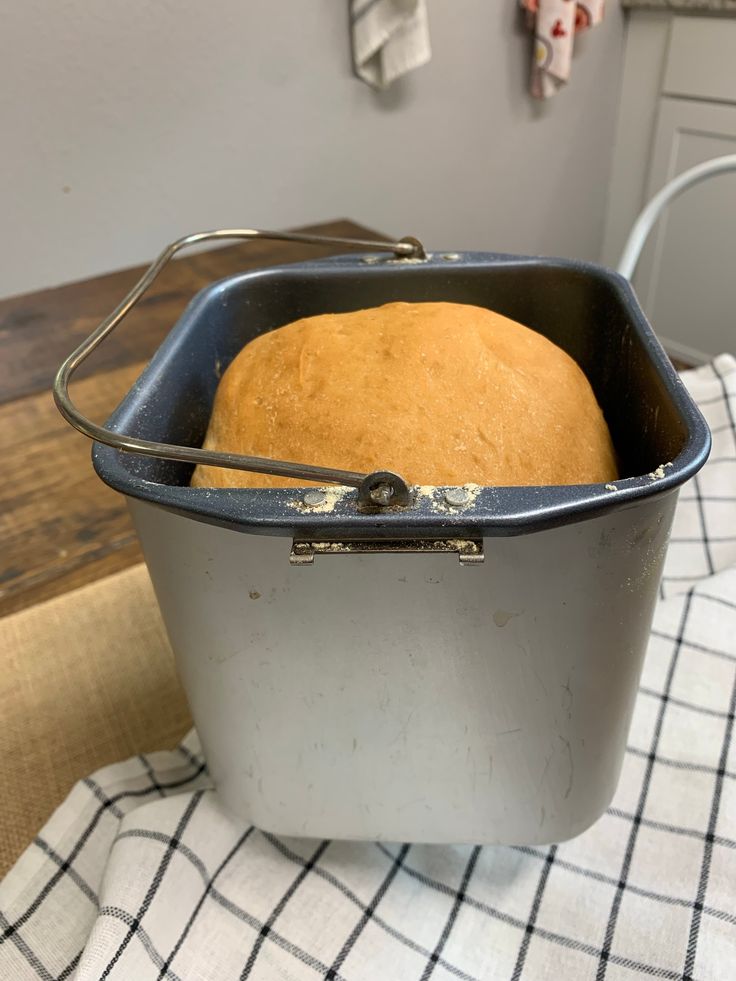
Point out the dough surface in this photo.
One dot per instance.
(441, 393)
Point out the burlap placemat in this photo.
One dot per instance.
(87, 679)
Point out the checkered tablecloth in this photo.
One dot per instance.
(140, 875)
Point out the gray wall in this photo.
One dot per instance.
(128, 124)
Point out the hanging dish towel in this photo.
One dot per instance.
(389, 37)
(555, 23)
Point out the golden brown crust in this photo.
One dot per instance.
(442, 393)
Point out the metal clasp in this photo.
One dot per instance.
(468, 550)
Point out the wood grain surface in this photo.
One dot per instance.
(60, 526)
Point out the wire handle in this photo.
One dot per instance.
(368, 484)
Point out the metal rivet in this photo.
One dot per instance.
(456, 497)
(381, 494)
(314, 497)
(450, 256)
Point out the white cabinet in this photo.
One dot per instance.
(686, 277)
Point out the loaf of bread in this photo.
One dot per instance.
(441, 393)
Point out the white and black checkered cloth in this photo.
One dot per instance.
(140, 875)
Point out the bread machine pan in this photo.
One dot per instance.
(348, 676)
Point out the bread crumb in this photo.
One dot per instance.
(658, 474)
(612, 487)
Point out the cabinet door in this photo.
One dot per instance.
(687, 275)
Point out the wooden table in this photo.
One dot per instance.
(60, 526)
